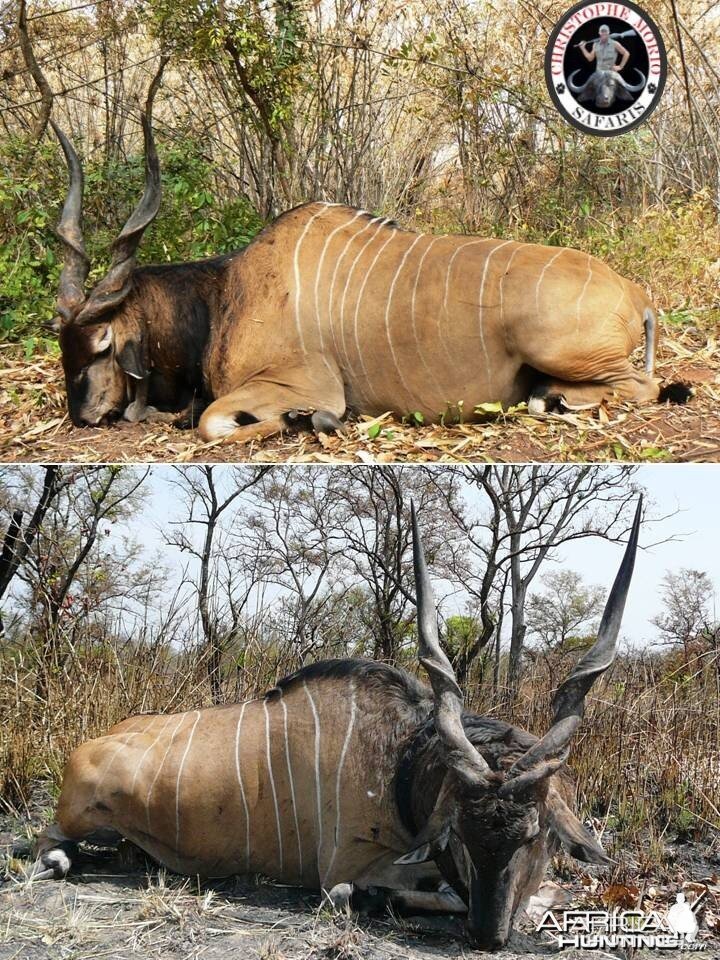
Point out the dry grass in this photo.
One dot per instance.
(34, 426)
(647, 764)
(112, 914)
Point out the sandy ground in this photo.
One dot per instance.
(116, 905)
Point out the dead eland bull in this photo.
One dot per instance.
(349, 774)
(330, 309)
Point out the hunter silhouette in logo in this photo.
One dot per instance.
(605, 67)
(682, 920)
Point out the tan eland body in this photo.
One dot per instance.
(289, 786)
(330, 308)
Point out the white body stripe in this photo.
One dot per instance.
(162, 764)
(480, 310)
(317, 774)
(296, 266)
(292, 786)
(111, 758)
(379, 221)
(321, 262)
(341, 764)
(238, 774)
(272, 782)
(544, 270)
(387, 319)
(448, 272)
(318, 321)
(335, 273)
(582, 294)
(359, 298)
(177, 782)
(502, 279)
(147, 751)
(430, 371)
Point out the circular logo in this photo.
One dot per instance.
(605, 67)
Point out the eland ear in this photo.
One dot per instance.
(430, 850)
(101, 338)
(575, 838)
(131, 360)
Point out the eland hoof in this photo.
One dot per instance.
(539, 405)
(53, 865)
(136, 412)
(323, 421)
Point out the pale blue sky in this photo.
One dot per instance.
(692, 490)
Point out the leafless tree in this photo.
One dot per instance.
(688, 615)
(18, 539)
(68, 570)
(205, 506)
(525, 514)
(376, 510)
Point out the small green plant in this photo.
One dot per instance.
(414, 419)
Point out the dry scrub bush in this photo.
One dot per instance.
(434, 113)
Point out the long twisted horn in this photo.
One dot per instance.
(115, 285)
(46, 94)
(463, 758)
(544, 757)
(71, 291)
(633, 87)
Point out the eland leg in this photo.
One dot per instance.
(369, 898)
(408, 888)
(560, 396)
(55, 851)
(54, 854)
(262, 409)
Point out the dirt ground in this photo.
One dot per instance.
(34, 426)
(116, 905)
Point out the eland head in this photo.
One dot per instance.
(100, 335)
(498, 818)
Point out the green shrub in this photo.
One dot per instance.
(195, 221)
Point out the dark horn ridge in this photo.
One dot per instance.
(116, 284)
(71, 292)
(76, 266)
(570, 698)
(462, 756)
